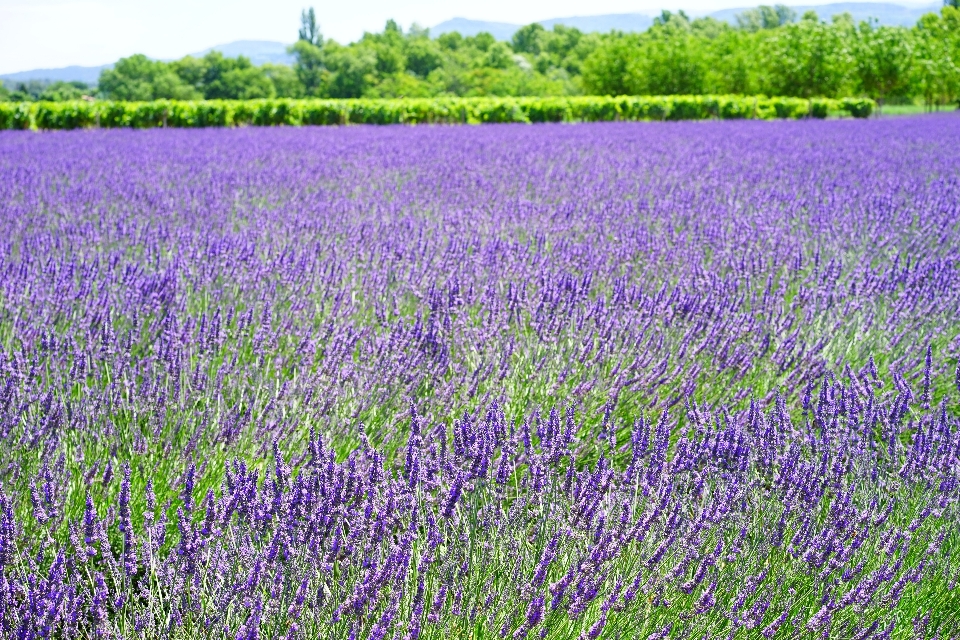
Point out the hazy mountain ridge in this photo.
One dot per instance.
(64, 74)
(884, 13)
(265, 51)
(259, 52)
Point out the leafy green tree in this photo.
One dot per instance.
(765, 17)
(388, 47)
(450, 41)
(417, 31)
(609, 69)
(36, 90)
(242, 84)
(730, 61)
(140, 78)
(937, 72)
(193, 71)
(352, 71)
(234, 79)
(950, 18)
(284, 80)
(309, 29)
(390, 60)
(63, 91)
(769, 51)
(709, 28)
(498, 56)
(402, 85)
(884, 59)
(482, 41)
(668, 59)
(309, 56)
(671, 61)
(563, 48)
(309, 67)
(217, 77)
(423, 56)
(529, 39)
(666, 17)
(808, 58)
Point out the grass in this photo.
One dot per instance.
(891, 110)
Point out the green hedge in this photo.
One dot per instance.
(225, 113)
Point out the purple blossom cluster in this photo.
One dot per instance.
(598, 381)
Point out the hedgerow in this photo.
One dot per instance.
(226, 113)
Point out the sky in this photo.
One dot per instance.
(38, 34)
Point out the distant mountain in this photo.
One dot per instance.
(505, 30)
(620, 21)
(884, 13)
(467, 27)
(259, 51)
(66, 74)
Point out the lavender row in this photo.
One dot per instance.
(749, 522)
(747, 333)
(354, 268)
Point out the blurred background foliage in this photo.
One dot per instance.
(770, 50)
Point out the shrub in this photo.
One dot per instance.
(293, 112)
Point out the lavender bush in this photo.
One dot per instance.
(693, 380)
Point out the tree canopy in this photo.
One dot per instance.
(769, 50)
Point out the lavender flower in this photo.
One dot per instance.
(364, 371)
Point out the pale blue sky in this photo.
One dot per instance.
(56, 33)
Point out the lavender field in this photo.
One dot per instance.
(622, 380)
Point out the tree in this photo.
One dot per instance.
(768, 52)
(666, 17)
(498, 56)
(352, 71)
(309, 67)
(309, 29)
(218, 77)
(422, 56)
(668, 59)
(35, 90)
(450, 41)
(730, 63)
(608, 69)
(234, 79)
(482, 41)
(140, 78)
(555, 50)
(884, 59)
(308, 54)
(671, 60)
(528, 39)
(808, 59)
(765, 17)
(284, 80)
(417, 31)
(936, 72)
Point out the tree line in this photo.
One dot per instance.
(770, 50)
